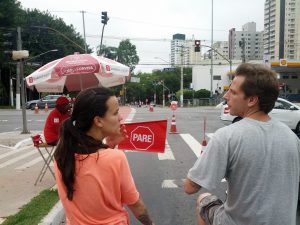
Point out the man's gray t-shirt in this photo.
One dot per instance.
(260, 161)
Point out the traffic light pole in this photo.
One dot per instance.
(20, 83)
(101, 38)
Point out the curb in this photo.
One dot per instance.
(25, 142)
(55, 216)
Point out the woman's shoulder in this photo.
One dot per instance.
(114, 153)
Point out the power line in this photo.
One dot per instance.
(143, 22)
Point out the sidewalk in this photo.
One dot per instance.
(16, 192)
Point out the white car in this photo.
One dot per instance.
(284, 111)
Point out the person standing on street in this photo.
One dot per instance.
(55, 118)
(94, 181)
(259, 157)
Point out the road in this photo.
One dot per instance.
(158, 178)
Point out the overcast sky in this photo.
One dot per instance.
(151, 24)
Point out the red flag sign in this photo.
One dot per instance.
(147, 136)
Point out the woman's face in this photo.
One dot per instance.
(111, 120)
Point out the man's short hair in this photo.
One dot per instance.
(259, 81)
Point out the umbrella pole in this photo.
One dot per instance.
(80, 77)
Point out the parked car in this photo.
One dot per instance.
(49, 99)
(284, 111)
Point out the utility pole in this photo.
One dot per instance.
(211, 55)
(85, 47)
(181, 79)
(19, 47)
(20, 83)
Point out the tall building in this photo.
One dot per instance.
(282, 29)
(246, 44)
(222, 48)
(183, 51)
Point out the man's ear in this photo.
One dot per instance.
(98, 121)
(253, 100)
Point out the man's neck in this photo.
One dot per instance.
(257, 114)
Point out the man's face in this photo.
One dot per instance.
(64, 109)
(235, 97)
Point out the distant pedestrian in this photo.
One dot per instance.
(258, 156)
(94, 181)
(55, 118)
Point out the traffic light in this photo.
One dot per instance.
(104, 18)
(197, 45)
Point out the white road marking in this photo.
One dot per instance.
(32, 162)
(131, 115)
(3, 120)
(14, 152)
(168, 155)
(9, 162)
(169, 184)
(194, 145)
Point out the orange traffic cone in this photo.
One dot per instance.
(46, 107)
(151, 109)
(36, 109)
(173, 129)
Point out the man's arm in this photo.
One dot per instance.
(140, 212)
(190, 187)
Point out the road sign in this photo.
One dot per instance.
(147, 136)
(142, 138)
(173, 105)
(283, 62)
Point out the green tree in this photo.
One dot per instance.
(127, 54)
(108, 52)
(202, 93)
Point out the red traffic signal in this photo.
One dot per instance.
(197, 45)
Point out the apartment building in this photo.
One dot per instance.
(183, 51)
(282, 29)
(221, 48)
(246, 44)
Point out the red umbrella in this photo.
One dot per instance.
(77, 72)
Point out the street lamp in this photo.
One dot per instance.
(228, 60)
(60, 33)
(36, 56)
(21, 64)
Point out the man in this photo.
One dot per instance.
(258, 156)
(55, 119)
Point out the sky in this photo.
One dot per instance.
(150, 25)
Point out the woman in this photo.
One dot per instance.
(94, 181)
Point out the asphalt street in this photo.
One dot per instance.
(159, 178)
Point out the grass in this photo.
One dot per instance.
(33, 212)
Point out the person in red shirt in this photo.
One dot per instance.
(55, 119)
